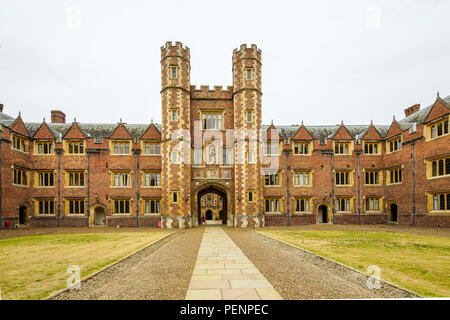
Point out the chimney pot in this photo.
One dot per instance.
(413, 109)
(57, 116)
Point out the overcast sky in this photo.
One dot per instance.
(323, 61)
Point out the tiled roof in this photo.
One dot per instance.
(104, 130)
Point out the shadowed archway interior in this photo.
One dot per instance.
(215, 190)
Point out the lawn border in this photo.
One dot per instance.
(341, 265)
(109, 266)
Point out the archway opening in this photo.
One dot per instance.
(212, 205)
(323, 214)
(23, 214)
(209, 214)
(99, 216)
(394, 212)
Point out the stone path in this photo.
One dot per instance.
(161, 271)
(298, 275)
(223, 271)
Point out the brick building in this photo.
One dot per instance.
(212, 141)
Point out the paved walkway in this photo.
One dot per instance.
(223, 271)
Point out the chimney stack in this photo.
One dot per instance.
(413, 109)
(57, 116)
(1, 107)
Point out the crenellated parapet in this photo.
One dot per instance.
(206, 92)
(175, 50)
(245, 52)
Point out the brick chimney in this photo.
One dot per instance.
(58, 116)
(413, 109)
(1, 107)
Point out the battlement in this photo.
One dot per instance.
(245, 52)
(176, 50)
(206, 92)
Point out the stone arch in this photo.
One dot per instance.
(393, 211)
(217, 188)
(24, 211)
(322, 216)
(96, 210)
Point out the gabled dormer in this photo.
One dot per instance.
(19, 135)
(74, 140)
(44, 140)
(120, 140)
(372, 141)
(302, 142)
(342, 141)
(437, 121)
(150, 141)
(272, 145)
(394, 137)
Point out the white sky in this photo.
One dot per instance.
(323, 61)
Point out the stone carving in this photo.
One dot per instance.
(212, 156)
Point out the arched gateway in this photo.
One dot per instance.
(211, 188)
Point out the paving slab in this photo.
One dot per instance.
(223, 271)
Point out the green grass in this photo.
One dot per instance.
(33, 267)
(415, 262)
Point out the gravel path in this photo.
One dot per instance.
(159, 272)
(296, 274)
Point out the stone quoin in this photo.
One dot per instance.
(212, 141)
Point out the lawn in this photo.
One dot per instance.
(415, 262)
(32, 267)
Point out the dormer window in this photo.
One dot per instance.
(438, 129)
(44, 147)
(75, 147)
(302, 148)
(394, 145)
(121, 147)
(342, 148)
(19, 144)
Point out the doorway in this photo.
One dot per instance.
(323, 214)
(212, 204)
(394, 212)
(23, 214)
(99, 216)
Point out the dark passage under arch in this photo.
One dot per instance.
(221, 193)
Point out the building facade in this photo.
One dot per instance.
(212, 142)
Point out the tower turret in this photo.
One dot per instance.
(175, 103)
(247, 120)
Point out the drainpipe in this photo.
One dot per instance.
(413, 162)
(332, 186)
(59, 187)
(1, 221)
(88, 207)
(288, 194)
(358, 153)
(136, 153)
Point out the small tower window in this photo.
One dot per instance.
(175, 197)
(174, 116)
(249, 116)
(249, 73)
(173, 72)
